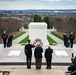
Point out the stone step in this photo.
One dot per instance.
(33, 63)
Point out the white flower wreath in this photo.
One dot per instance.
(38, 41)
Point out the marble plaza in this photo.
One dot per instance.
(16, 54)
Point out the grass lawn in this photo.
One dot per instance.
(24, 40)
(50, 40)
(57, 35)
(15, 37)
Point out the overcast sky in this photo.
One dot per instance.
(37, 4)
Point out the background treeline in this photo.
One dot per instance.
(9, 24)
(46, 19)
(61, 22)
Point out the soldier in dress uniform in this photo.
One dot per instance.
(71, 38)
(4, 38)
(10, 37)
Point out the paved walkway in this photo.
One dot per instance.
(59, 41)
(16, 41)
(61, 54)
(22, 70)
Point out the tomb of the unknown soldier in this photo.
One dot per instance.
(37, 37)
(15, 54)
(38, 30)
(15, 58)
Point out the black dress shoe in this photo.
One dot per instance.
(49, 67)
(46, 67)
(36, 67)
(39, 67)
(29, 67)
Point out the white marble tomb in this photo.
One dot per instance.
(38, 30)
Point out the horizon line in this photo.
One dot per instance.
(38, 9)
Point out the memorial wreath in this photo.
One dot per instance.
(38, 41)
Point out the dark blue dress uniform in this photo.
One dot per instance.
(48, 56)
(9, 43)
(66, 39)
(4, 37)
(28, 53)
(71, 38)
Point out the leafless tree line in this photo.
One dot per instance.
(60, 22)
(9, 24)
(64, 23)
